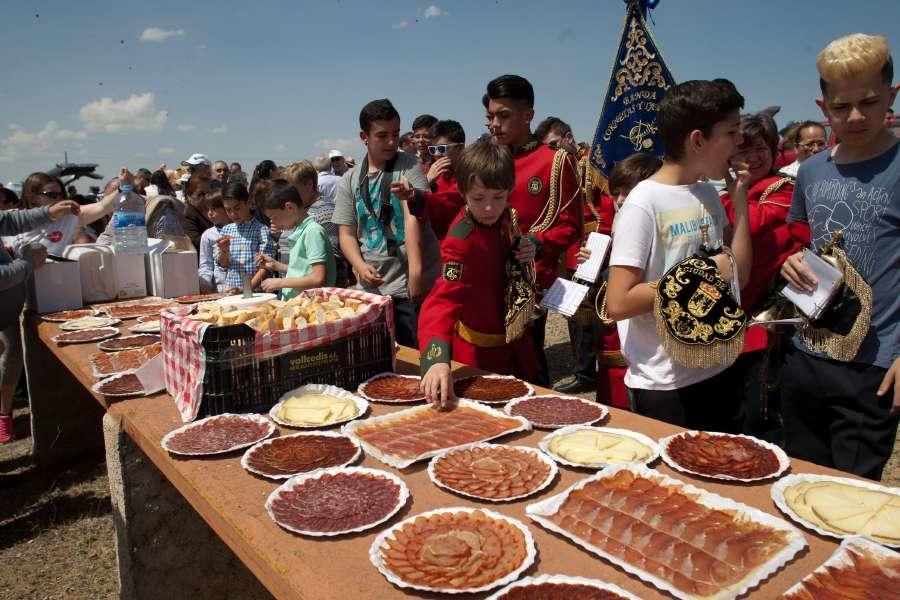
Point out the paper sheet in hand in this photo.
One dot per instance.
(564, 296)
(829, 278)
(598, 244)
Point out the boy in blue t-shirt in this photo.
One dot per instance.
(844, 414)
(311, 262)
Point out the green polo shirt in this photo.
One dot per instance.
(309, 246)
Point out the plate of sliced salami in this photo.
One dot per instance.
(123, 385)
(133, 309)
(218, 434)
(85, 335)
(288, 455)
(337, 501)
(104, 364)
(391, 388)
(491, 389)
(129, 342)
(561, 587)
(68, 315)
(552, 411)
(723, 456)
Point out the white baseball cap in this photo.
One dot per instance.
(335, 154)
(197, 159)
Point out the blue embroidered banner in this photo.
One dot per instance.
(638, 81)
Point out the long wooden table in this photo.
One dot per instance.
(231, 501)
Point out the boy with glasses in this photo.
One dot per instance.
(444, 201)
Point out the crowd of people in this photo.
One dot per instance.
(466, 239)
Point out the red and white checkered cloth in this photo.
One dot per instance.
(185, 359)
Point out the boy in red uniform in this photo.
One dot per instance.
(546, 194)
(464, 318)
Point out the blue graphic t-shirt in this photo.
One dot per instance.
(862, 199)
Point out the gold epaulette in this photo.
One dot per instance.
(774, 187)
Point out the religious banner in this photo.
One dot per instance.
(637, 83)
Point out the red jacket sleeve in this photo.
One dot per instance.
(440, 210)
(440, 311)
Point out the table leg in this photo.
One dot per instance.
(65, 417)
(164, 548)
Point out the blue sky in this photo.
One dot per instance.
(285, 80)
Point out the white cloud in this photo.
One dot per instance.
(432, 12)
(220, 129)
(184, 128)
(50, 140)
(166, 151)
(400, 25)
(155, 34)
(279, 148)
(346, 145)
(137, 113)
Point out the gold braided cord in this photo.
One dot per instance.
(551, 210)
(843, 347)
(773, 188)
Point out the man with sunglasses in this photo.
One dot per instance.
(550, 214)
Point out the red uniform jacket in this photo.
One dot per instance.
(529, 197)
(773, 238)
(471, 291)
(443, 204)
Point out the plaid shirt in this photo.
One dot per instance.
(247, 240)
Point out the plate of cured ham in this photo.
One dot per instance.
(552, 411)
(104, 364)
(391, 388)
(857, 569)
(492, 472)
(491, 389)
(586, 447)
(561, 587)
(288, 455)
(337, 501)
(218, 435)
(88, 323)
(129, 342)
(841, 507)
(68, 315)
(454, 551)
(723, 456)
(84, 336)
(404, 437)
(123, 385)
(682, 539)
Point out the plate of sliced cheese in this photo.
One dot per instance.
(312, 406)
(589, 447)
(841, 507)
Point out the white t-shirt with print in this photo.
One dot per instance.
(54, 236)
(658, 226)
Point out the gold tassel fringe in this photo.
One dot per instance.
(696, 356)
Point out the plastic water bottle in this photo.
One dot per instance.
(129, 224)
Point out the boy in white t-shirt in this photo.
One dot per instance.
(664, 217)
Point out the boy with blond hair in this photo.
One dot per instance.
(844, 414)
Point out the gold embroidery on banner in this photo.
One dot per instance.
(639, 66)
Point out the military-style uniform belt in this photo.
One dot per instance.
(482, 340)
(611, 359)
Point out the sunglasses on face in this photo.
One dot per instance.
(53, 195)
(441, 149)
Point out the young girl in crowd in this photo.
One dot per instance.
(310, 263)
(242, 240)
